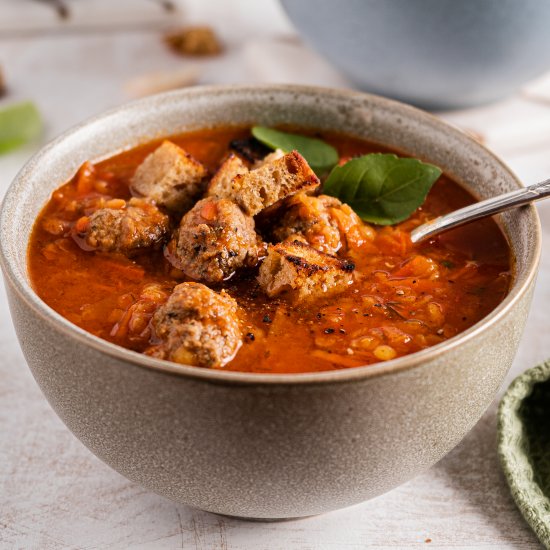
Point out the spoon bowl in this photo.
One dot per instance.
(483, 209)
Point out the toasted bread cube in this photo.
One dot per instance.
(298, 270)
(220, 184)
(277, 154)
(171, 177)
(275, 180)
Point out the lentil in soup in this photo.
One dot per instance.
(299, 286)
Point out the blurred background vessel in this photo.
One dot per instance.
(437, 54)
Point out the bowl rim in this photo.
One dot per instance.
(25, 291)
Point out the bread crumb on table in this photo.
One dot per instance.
(199, 41)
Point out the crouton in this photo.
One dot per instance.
(275, 180)
(171, 177)
(303, 273)
(220, 184)
(277, 154)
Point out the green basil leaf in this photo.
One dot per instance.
(320, 155)
(382, 188)
(19, 124)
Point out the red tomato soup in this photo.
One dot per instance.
(400, 298)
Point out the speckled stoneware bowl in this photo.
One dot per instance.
(259, 445)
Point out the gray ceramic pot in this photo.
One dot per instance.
(433, 53)
(256, 445)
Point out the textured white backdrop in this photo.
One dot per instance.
(56, 494)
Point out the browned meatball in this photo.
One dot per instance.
(214, 239)
(323, 222)
(136, 225)
(197, 326)
(310, 217)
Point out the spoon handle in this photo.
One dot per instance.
(481, 209)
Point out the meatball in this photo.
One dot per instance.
(323, 222)
(214, 239)
(310, 218)
(197, 326)
(136, 225)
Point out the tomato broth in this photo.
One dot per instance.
(404, 298)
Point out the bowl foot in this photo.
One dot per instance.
(266, 520)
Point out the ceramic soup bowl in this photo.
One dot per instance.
(259, 445)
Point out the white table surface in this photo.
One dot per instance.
(55, 494)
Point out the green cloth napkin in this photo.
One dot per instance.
(524, 446)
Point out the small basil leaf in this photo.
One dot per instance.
(382, 188)
(19, 124)
(320, 155)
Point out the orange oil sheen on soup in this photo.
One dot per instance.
(405, 298)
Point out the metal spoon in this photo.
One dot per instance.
(481, 209)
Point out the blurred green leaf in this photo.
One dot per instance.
(19, 123)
